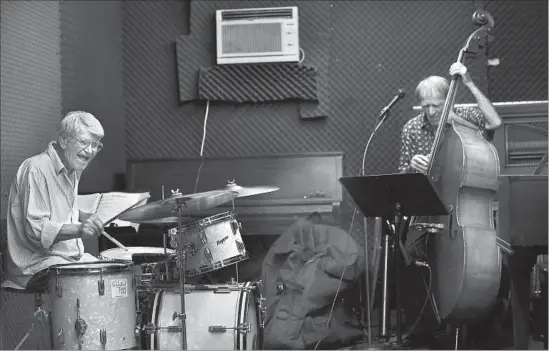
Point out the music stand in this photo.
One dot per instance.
(398, 195)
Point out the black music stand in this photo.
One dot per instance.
(395, 195)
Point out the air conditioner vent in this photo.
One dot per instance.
(256, 13)
(258, 35)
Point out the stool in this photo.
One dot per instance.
(40, 315)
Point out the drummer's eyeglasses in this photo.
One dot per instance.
(84, 144)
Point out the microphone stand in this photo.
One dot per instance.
(382, 117)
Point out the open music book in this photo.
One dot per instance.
(108, 206)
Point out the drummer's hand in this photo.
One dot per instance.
(91, 227)
(420, 163)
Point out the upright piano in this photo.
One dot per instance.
(522, 217)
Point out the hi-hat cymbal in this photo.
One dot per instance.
(250, 190)
(190, 203)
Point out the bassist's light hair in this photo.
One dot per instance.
(432, 87)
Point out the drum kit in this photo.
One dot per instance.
(138, 298)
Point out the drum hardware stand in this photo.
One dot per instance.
(39, 316)
(384, 320)
(181, 248)
(165, 243)
(397, 196)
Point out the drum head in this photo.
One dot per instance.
(136, 253)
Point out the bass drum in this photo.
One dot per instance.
(209, 308)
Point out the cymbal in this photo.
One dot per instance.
(168, 220)
(190, 203)
(250, 190)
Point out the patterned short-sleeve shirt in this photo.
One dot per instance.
(418, 134)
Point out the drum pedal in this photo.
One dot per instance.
(243, 328)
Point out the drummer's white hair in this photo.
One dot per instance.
(78, 120)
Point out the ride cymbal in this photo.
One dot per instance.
(249, 191)
(190, 203)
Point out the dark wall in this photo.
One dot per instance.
(521, 46)
(56, 57)
(91, 66)
(30, 83)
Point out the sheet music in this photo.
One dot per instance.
(89, 202)
(108, 206)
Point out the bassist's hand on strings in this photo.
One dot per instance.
(420, 163)
(460, 69)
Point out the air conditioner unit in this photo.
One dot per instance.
(269, 34)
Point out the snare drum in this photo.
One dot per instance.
(93, 306)
(219, 317)
(150, 263)
(210, 243)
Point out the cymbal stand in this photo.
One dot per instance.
(39, 316)
(182, 258)
(236, 264)
(166, 258)
(165, 243)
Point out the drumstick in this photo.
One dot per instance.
(116, 242)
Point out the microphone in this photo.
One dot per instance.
(397, 97)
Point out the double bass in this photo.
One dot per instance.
(464, 168)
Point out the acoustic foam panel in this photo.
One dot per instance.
(257, 83)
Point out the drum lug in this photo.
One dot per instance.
(178, 315)
(59, 289)
(103, 337)
(80, 324)
(151, 328)
(203, 236)
(208, 254)
(240, 246)
(101, 287)
(243, 328)
(235, 226)
(61, 336)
